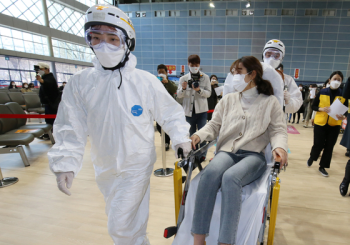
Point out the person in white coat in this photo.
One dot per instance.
(115, 104)
(273, 54)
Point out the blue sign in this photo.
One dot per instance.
(136, 110)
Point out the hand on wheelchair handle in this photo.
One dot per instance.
(281, 156)
(182, 150)
(195, 141)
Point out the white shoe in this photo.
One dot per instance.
(303, 120)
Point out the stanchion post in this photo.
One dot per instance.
(163, 172)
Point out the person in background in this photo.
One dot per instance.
(344, 185)
(12, 85)
(31, 85)
(171, 87)
(301, 109)
(25, 88)
(48, 93)
(62, 86)
(311, 97)
(213, 99)
(326, 129)
(195, 93)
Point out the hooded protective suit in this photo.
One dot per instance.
(119, 123)
(296, 98)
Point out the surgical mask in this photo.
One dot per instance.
(239, 83)
(107, 56)
(25, 86)
(300, 88)
(41, 72)
(272, 62)
(13, 84)
(194, 70)
(328, 85)
(162, 75)
(335, 84)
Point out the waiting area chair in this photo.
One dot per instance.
(33, 103)
(18, 98)
(4, 97)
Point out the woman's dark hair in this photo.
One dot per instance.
(161, 66)
(194, 59)
(337, 73)
(326, 82)
(253, 64)
(213, 76)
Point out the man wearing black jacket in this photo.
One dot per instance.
(48, 93)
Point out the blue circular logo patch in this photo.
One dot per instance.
(136, 110)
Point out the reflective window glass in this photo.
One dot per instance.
(67, 50)
(29, 10)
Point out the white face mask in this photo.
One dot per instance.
(41, 72)
(272, 62)
(301, 88)
(13, 84)
(107, 57)
(335, 84)
(194, 70)
(328, 85)
(25, 86)
(162, 75)
(239, 83)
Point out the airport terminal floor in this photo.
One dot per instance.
(34, 212)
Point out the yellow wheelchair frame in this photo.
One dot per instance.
(271, 200)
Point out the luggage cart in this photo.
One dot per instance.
(191, 162)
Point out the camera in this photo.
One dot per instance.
(194, 82)
(36, 69)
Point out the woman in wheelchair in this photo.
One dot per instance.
(246, 122)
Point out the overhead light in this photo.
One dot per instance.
(247, 5)
(211, 4)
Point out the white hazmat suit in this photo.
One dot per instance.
(296, 99)
(119, 123)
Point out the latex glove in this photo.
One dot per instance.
(286, 95)
(65, 181)
(186, 147)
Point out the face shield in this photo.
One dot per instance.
(272, 57)
(108, 45)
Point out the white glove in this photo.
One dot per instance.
(186, 147)
(286, 95)
(64, 181)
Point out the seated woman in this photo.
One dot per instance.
(246, 122)
(25, 88)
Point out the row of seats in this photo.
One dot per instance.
(14, 132)
(28, 101)
(35, 90)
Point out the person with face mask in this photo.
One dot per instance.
(115, 104)
(326, 129)
(213, 99)
(48, 92)
(273, 54)
(12, 85)
(309, 102)
(344, 185)
(25, 88)
(171, 87)
(240, 159)
(195, 88)
(301, 109)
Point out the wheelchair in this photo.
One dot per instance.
(270, 199)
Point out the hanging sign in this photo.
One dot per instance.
(171, 69)
(297, 73)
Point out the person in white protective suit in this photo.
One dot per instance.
(115, 104)
(273, 54)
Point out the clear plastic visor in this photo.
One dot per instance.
(96, 38)
(274, 53)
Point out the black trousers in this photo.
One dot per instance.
(325, 138)
(167, 138)
(298, 116)
(48, 110)
(347, 173)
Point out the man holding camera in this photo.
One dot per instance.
(48, 93)
(195, 88)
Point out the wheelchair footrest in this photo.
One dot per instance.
(170, 231)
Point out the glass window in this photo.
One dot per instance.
(88, 2)
(21, 41)
(106, 2)
(67, 50)
(65, 19)
(29, 10)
